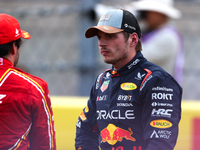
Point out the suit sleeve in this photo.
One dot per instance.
(87, 132)
(161, 112)
(42, 134)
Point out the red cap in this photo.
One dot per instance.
(10, 29)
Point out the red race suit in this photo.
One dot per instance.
(26, 116)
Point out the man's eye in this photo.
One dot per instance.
(111, 36)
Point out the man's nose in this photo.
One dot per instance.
(102, 42)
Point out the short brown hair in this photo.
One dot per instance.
(5, 48)
(139, 44)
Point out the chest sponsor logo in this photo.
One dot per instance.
(124, 97)
(161, 134)
(102, 98)
(161, 112)
(104, 85)
(162, 96)
(162, 124)
(115, 114)
(128, 86)
(124, 104)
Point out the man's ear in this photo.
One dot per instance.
(13, 49)
(134, 39)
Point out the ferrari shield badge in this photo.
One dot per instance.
(104, 85)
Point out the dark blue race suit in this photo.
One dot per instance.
(137, 107)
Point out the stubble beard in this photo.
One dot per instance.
(117, 58)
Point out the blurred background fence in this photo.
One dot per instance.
(59, 53)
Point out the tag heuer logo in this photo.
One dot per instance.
(104, 85)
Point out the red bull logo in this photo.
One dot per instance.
(112, 134)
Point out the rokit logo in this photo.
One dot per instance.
(162, 96)
(161, 112)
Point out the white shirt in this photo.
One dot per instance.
(164, 47)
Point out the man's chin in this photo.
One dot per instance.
(109, 61)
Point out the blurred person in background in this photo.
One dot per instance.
(134, 105)
(26, 117)
(162, 43)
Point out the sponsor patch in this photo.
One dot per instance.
(107, 75)
(161, 112)
(140, 76)
(105, 17)
(162, 104)
(128, 86)
(162, 124)
(158, 88)
(102, 98)
(161, 134)
(104, 85)
(124, 97)
(82, 116)
(161, 96)
(115, 114)
(124, 104)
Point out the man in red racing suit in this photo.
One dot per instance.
(26, 117)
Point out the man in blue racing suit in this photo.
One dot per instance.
(135, 105)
